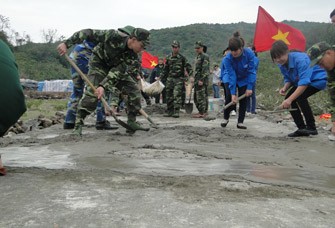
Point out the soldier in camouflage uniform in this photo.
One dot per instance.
(114, 49)
(80, 55)
(324, 55)
(202, 73)
(174, 74)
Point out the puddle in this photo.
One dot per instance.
(47, 136)
(41, 157)
(196, 167)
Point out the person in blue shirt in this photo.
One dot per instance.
(81, 55)
(224, 80)
(251, 101)
(300, 82)
(240, 67)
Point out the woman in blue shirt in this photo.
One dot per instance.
(240, 68)
(300, 82)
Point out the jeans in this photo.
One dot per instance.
(216, 91)
(251, 101)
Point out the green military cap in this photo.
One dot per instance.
(127, 29)
(317, 51)
(199, 44)
(175, 43)
(141, 35)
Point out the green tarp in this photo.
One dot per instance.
(12, 104)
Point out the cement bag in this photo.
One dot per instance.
(154, 88)
(143, 84)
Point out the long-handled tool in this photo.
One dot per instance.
(189, 105)
(280, 109)
(231, 103)
(83, 76)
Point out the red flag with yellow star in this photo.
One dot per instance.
(268, 31)
(149, 61)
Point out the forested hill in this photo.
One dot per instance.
(40, 61)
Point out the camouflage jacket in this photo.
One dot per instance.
(111, 50)
(331, 88)
(202, 71)
(175, 67)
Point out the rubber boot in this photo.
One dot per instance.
(136, 126)
(168, 114)
(176, 113)
(78, 128)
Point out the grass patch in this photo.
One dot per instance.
(45, 107)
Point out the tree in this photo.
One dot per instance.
(51, 36)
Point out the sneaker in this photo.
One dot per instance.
(68, 126)
(298, 133)
(224, 123)
(331, 137)
(104, 125)
(136, 126)
(241, 126)
(78, 128)
(233, 113)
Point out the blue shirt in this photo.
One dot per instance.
(224, 75)
(241, 70)
(299, 73)
(81, 55)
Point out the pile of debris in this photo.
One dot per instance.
(39, 123)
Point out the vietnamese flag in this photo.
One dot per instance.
(149, 61)
(268, 31)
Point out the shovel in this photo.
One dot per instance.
(83, 76)
(231, 103)
(279, 109)
(189, 105)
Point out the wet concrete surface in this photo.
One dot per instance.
(187, 173)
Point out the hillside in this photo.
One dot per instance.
(40, 61)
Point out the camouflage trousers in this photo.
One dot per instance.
(174, 94)
(122, 81)
(201, 98)
(77, 93)
(331, 89)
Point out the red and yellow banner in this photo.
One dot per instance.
(268, 31)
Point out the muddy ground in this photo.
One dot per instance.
(188, 173)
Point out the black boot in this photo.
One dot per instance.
(105, 125)
(68, 125)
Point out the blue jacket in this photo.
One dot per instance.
(81, 55)
(299, 73)
(241, 70)
(224, 75)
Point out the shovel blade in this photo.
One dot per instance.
(189, 108)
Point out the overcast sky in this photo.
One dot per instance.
(69, 16)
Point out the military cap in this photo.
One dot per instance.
(317, 51)
(127, 29)
(175, 43)
(199, 44)
(141, 35)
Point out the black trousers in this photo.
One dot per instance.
(242, 106)
(302, 106)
